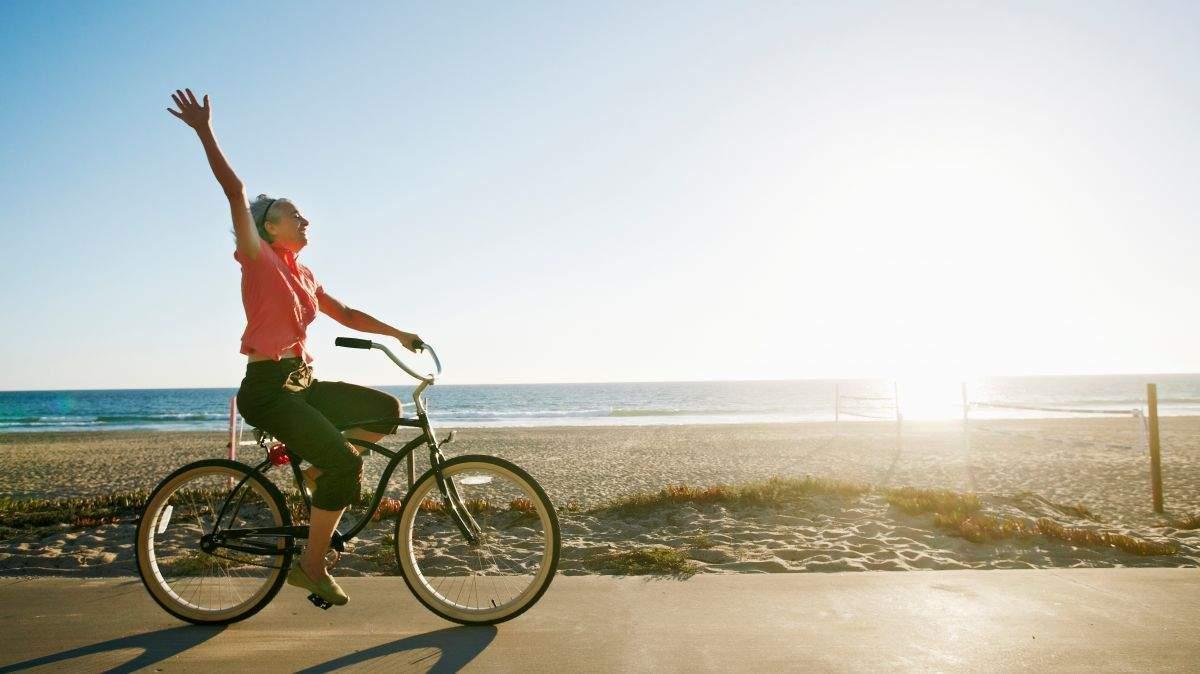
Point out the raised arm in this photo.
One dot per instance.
(199, 117)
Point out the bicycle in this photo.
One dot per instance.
(216, 538)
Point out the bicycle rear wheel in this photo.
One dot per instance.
(507, 570)
(221, 585)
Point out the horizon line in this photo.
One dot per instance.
(649, 381)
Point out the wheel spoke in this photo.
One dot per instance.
(196, 585)
(501, 573)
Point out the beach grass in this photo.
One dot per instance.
(981, 528)
(958, 514)
(950, 504)
(1102, 539)
(383, 556)
(523, 506)
(1187, 523)
(643, 561)
(20, 517)
(1078, 511)
(772, 491)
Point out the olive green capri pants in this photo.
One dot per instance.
(284, 399)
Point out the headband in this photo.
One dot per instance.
(265, 211)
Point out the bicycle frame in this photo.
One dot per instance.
(458, 512)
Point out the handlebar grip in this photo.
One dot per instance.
(419, 345)
(353, 343)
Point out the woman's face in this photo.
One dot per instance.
(288, 228)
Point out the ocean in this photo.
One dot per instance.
(645, 403)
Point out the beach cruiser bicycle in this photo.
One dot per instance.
(476, 539)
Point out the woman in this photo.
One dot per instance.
(279, 393)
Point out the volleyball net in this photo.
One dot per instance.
(1144, 417)
(996, 426)
(995, 417)
(866, 405)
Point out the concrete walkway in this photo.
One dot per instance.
(1083, 620)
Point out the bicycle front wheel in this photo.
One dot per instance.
(506, 570)
(188, 576)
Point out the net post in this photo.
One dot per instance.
(233, 438)
(966, 408)
(896, 402)
(1155, 451)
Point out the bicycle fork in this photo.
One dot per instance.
(459, 512)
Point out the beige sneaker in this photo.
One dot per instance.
(326, 588)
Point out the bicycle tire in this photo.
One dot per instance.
(147, 552)
(427, 591)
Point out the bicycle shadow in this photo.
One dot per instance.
(155, 646)
(454, 646)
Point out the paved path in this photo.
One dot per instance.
(1080, 619)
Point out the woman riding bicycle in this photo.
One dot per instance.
(279, 394)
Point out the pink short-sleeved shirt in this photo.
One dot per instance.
(281, 298)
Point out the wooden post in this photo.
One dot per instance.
(966, 429)
(837, 402)
(1155, 453)
(233, 436)
(412, 471)
(899, 418)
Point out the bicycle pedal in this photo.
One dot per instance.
(319, 602)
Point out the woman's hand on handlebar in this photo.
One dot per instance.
(191, 112)
(410, 341)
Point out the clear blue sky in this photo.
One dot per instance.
(611, 191)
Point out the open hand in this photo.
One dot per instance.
(192, 113)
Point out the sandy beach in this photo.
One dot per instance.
(1023, 469)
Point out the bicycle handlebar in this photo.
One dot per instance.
(355, 343)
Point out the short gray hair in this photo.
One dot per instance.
(258, 211)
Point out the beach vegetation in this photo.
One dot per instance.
(27, 516)
(1188, 523)
(383, 556)
(477, 506)
(523, 506)
(980, 528)
(430, 504)
(643, 561)
(1077, 511)
(943, 502)
(1100, 539)
(958, 514)
(772, 491)
(389, 509)
(701, 540)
